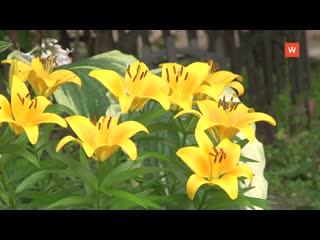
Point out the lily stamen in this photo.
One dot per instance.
(224, 104)
(215, 158)
(186, 76)
(167, 71)
(236, 105)
(181, 70)
(108, 123)
(27, 95)
(30, 106)
(174, 69)
(128, 71)
(94, 121)
(21, 98)
(215, 150)
(142, 75)
(220, 158)
(36, 103)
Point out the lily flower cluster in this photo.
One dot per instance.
(196, 89)
(180, 89)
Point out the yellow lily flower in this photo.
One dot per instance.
(214, 165)
(25, 114)
(137, 87)
(100, 140)
(45, 81)
(18, 68)
(183, 82)
(216, 81)
(227, 118)
(41, 76)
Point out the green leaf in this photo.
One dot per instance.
(157, 155)
(245, 159)
(158, 126)
(130, 197)
(83, 159)
(16, 54)
(67, 202)
(243, 142)
(20, 150)
(258, 202)
(150, 115)
(123, 167)
(219, 200)
(59, 108)
(32, 179)
(91, 98)
(113, 180)
(85, 174)
(4, 45)
(5, 197)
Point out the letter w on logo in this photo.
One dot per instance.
(291, 50)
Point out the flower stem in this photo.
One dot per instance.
(98, 194)
(184, 133)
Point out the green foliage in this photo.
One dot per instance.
(38, 177)
(293, 162)
(91, 98)
(4, 45)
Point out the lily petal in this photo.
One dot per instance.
(193, 184)
(66, 140)
(5, 109)
(110, 79)
(209, 91)
(84, 129)
(18, 90)
(129, 147)
(238, 86)
(125, 103)
(229, 184)
(196, 159)
(190, 111)
(232, 152)
(224, 77)
(60, 77)
(65, 76)
(210, 109)
(103, 152)
(255, 117)
(204, 123)
(32, 133)
(124, 131)
(37, 65)
(42, 104)
(203, 141)
(48, 118)
(248, 132)
(161, 98)
(184, 103)
(37, 83)
(89, 149)
(242, 171)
